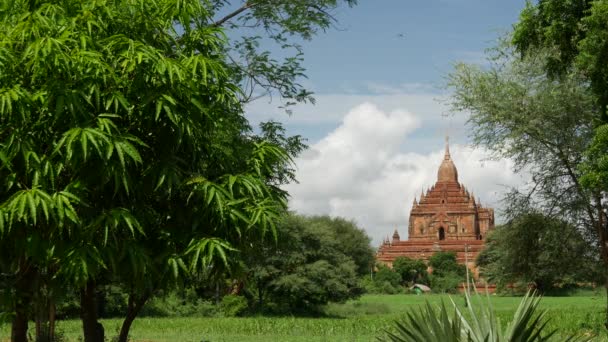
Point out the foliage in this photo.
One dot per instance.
(352, 241)
(545, 138)
(577, 34)
(481, 324)
(576, 30)
(125, 157)
(411, 270)
(253, 26)
(540, 112)
(178, 304)
(233, 305)
(595, 164)
(305, 268)
(446, 283)
(372, 286)
(385, 274)
(447, 273)
(524, 250)
(444, 263)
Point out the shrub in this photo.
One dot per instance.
(379, 286)
(480, 324)
(388, 288)
(176, 304)
(445, 283)
(385, 274)
(233, 305)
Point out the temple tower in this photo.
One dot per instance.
(447, 211)
(446, 217)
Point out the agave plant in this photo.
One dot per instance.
(480, 325)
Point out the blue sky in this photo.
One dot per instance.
(388, 46)
(376, 134)
(367, 46)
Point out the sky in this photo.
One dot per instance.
(376, 133)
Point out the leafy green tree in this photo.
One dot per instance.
(125, 155)
(385, 280)
(576, 32)
(305, 268)
(351, 240)
(544, 126)
(411, 270)
(444, 263)
(524, 250)
(447, 274)
(385, 274)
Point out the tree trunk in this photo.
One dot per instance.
(19, 327)
(602, 230)
(23, 295)
(606, 286)
(133, 309)
(52, 311)
(92, 329)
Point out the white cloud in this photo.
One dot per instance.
(319, 120)
(359, 170)
(330, 108)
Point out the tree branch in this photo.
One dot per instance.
(240, 10)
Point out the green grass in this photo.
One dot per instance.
(360, 320)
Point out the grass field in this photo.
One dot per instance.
(360, 320)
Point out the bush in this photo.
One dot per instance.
(174, 304)
(114, 302)
(386, 274)
(388, 288)
(233, 305)
(446, 283)
(379, 286)
(412, 271)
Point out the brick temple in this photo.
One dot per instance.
(445, 218)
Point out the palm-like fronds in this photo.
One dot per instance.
(479, 325)
(427, 325)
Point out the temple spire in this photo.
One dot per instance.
(447, 148)
(396, 236)
(447, 170)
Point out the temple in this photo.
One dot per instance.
(446, 217)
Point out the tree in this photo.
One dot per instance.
(576, 32)
(447, 274)
(411, 270)
(524, 250)
(351, 240)
(386, 280)
(125, 155)
(444, 263)
(544, 126)
(305, 268)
